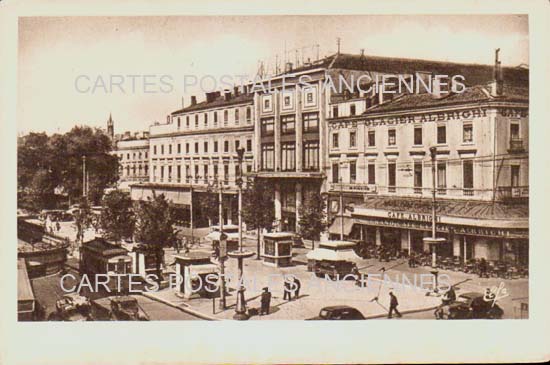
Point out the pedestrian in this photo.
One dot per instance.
(449, 297)
(393, 305)
(265, 301)
(58, 226)
(287, 290)
(298, 285)
(482, 268)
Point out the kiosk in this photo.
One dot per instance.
(196, 275)
(277, 250)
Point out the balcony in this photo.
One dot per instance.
(418, 190)
(468, 192)
(516, 145)
(512, 192)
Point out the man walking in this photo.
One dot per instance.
(265, 301)
(298, 285)
(393, 305)
(287, 290)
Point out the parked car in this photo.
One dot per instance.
(339, 312)
(120, 308)
(469, 306)
(72, 307)
(334, 269)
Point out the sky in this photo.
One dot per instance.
(65, 64)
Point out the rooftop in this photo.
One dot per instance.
(219, 102)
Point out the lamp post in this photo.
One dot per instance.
(240, 255)
(223, 248)
(191, 209)
(434, 241)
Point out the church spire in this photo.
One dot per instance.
(111, 127)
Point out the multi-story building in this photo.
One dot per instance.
(381, 167)
(195, 151)
(133, 156)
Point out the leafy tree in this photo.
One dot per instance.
(312, 217)
(117, 217)
(102, 167)
(83, 219)
(155, 227)
(258, 207)
(208, 205)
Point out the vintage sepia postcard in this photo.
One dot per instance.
(261, 174)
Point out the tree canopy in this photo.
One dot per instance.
(117, 217)
(312, 217)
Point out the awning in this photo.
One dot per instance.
(336, 226)
(319, 254)
(174, 195)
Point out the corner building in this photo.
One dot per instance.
(380, 163)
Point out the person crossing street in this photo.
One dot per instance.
(393, 305)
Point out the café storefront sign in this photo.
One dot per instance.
(422, 224)
(440, 116)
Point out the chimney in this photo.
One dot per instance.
(210, 97)
(168, 119)
(227, 95)
(439, 86)
(236, 91)
(288, 67)
(497, 86)
(245, 89)
(193, 100)
(182, 104)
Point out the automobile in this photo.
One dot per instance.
(469, 306)
(126, 308)
(72, 307)
(334, 269)
(338, 312)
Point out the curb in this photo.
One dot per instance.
(183, 309)
(384, 315)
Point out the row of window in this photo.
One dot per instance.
(134, 154)
(214, 114)
(310, 123)
(288, 156)
(441, 175)
(136, 171)
(205, 147)
(467, 136)
(166, 172)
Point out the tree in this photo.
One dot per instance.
(258, 207)
(82, 219)
(208, 205)
(102, 167)
(117, 217)
(155, 227)
(312, 217)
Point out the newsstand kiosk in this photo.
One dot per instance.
(197, 273)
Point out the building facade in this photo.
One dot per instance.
(195, 152)
(381, 167)
(133, 157)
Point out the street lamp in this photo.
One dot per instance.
(240, 255)
(434, 241)
(189, 178)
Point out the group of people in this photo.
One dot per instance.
(52, 225)
(291, 287)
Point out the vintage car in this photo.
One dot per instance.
(339, 312)
(72, 307)
(469, 306)
(120, 308)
